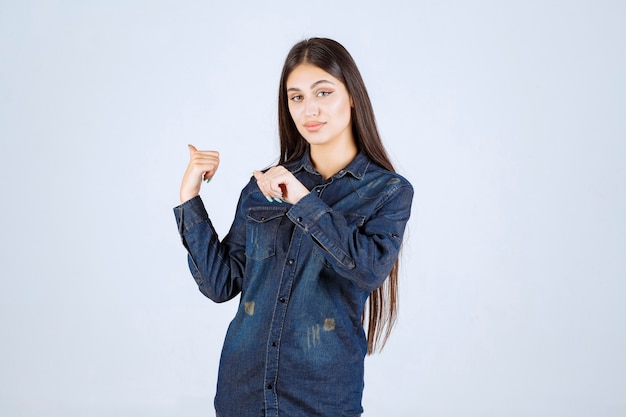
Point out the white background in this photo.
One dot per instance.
(509, 118)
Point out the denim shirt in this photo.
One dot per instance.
(296, 345)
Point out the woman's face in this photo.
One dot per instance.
(320, 106)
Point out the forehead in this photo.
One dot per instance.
(305, 75)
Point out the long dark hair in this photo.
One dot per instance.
(332, 57)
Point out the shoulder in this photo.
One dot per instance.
(251, 188)
(250, 196)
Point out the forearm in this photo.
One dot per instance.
(360, 249)
(214, 265)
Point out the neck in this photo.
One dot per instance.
(328, 160)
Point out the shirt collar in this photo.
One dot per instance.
(356, 168)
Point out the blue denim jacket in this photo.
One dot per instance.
(296, 346)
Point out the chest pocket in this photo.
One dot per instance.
(262, 231)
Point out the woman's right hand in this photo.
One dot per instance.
(202, 167)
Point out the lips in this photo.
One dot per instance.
(313, 126)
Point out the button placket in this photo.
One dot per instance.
(319, 190)
(273, 352)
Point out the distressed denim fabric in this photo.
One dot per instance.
(296, 345)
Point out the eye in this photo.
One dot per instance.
(324, 93)
(296, 98)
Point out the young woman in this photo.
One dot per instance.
(313, 239)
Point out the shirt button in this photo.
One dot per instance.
(269, 386)
(299, 219)
(274, 344)
(290, 262)
(282, 299)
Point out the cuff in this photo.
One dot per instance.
(306, 212)
(189, 214)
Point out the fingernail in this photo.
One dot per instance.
(208, 180)
(280, 200)
(269, 199)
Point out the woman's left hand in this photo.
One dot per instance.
(280, 184)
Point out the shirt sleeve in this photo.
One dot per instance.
(217, 266)
(365, 251)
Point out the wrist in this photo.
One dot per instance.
(187, 195)
(300, 195)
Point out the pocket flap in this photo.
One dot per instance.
(266, 214)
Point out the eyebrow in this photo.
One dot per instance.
(315, 84)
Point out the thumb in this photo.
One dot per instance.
(192, 150)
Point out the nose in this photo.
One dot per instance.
(311, 108)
